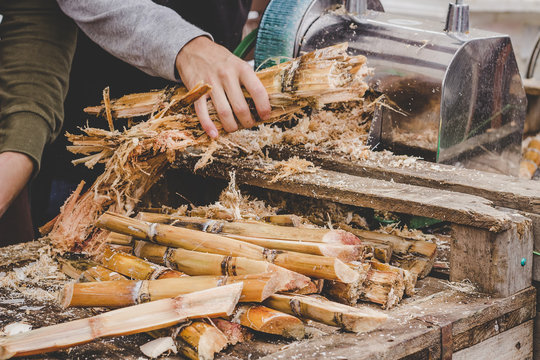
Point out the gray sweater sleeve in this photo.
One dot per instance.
(139, 32)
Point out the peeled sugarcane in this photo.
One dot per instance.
(219, 301)
(204, 338)
(198, 263)
(135, 267)
(531, 159)
(306, 264)
(86, 270)
(320, 309)
(124, 293)
(255, 229)
(270, 321)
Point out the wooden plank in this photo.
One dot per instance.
(366, 192)
(536, 243)
(502, 190)
(493, 261)
(420, 334)
(516, 343)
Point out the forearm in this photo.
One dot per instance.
(139, 32)
(15, 172)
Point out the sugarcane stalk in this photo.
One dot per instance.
(119, 239)
(320, 309)
(219, 301)
(255, 229)
(197, 263)
(349, 293)
(401, 246)
(86, 270)
(204, 338)
(385, 288)
(344, 253)
(270, 321)
(134, 267)
(306, 264)
(125, 293)
(409, 278)
(284, 220)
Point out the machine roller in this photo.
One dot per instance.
(456, 91)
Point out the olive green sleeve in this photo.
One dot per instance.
(37, 43)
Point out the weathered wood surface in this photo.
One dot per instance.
(377, 194)
(514, 344)
(502, 190)
(499, 263)
(413, 329)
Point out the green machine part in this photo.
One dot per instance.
(278, 30)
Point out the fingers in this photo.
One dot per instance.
(257, 91)
(238, 102)
(201, 109)
(223, 109)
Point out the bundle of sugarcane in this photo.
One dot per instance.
(323, 267)
(376, 282)
(219, 301)
(531, 159)
(333, 243)
(137, 157)
(416, 256)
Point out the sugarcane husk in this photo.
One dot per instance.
(125, 293)
(196, 263)
(320, 309)
(219, 301)
(306, 264)
(206, 339)
(270, 321)
(134, 267)
(289, 85)
(158, 346)
(234, 332)
(255, 229)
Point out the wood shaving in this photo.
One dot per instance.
(292, 166)
(38, 280)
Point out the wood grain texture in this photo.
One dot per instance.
(366, 192)
(516, 343)
(502, 190)
(490, 260)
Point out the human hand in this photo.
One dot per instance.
(15, 172)
(203, 60)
